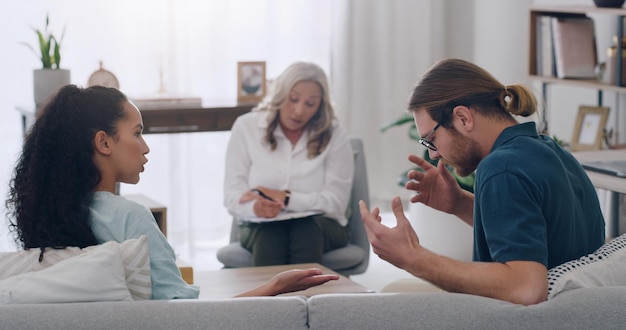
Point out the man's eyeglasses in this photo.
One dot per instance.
(425, 141)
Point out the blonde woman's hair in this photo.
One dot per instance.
(319, 126)
(452, 82)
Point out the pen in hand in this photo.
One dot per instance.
(262, 194)
(268, 209)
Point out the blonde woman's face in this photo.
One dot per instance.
(300, 106)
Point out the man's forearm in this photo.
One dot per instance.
(521, 282)
(465, 208)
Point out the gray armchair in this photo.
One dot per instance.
(349, 260)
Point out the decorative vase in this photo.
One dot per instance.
(47, 82)
(609, 3)
(442, 233)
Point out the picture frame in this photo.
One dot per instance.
(589, 128)
(251, 82)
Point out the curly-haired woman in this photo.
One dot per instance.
(63, 189)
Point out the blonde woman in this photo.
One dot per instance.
(289, 154)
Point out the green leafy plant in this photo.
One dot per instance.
(406, 118)
(49, 47)
(559, 141)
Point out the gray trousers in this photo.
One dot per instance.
(292, 241)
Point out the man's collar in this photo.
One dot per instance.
(509, 133)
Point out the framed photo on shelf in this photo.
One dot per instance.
(251, 82)
(589, 128)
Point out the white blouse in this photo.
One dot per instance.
(322, 183)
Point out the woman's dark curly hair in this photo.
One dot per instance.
(55, 176)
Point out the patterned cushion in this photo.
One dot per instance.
(605, 267)
(135, 257)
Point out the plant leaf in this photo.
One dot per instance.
(49, 46)
(57, 54)
(44, 46)
(413, 133)
(31, 48)
(405, 118)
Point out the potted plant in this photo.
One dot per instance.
(50, 78)
(440, 232)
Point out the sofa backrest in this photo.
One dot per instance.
(239, 313)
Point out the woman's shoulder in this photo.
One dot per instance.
(338, 130)
(117, 203)
(253, 116)
(252, 119)
(116, 218)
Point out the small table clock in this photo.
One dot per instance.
(103, 77)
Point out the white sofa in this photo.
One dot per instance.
(586, 308)
(586, 293)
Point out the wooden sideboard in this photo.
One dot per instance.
(191, 120)
(161, 121)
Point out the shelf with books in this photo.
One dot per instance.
(585, 83)
(562, 49)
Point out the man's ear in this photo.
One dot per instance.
(102, 143)
(463, 118)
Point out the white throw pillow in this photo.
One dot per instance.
(97, 275)
(605, 267)
(135, 258)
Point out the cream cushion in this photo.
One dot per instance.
(97, 275)
(134, 254)
(605, 267)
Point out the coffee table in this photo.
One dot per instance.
(229, 282)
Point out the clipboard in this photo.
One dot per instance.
(283, 216)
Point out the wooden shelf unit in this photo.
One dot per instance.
(613, 184)
(539, 10)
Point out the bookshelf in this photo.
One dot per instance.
(610, 183)
(537, 11)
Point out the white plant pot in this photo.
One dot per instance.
(47, 82)
(442, 233)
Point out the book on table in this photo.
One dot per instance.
(614, 168)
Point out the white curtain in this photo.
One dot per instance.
(379, 50)
(207, 39)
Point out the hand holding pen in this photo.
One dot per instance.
(264, 205)
(262, 194)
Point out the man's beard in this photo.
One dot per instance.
(465, 156)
